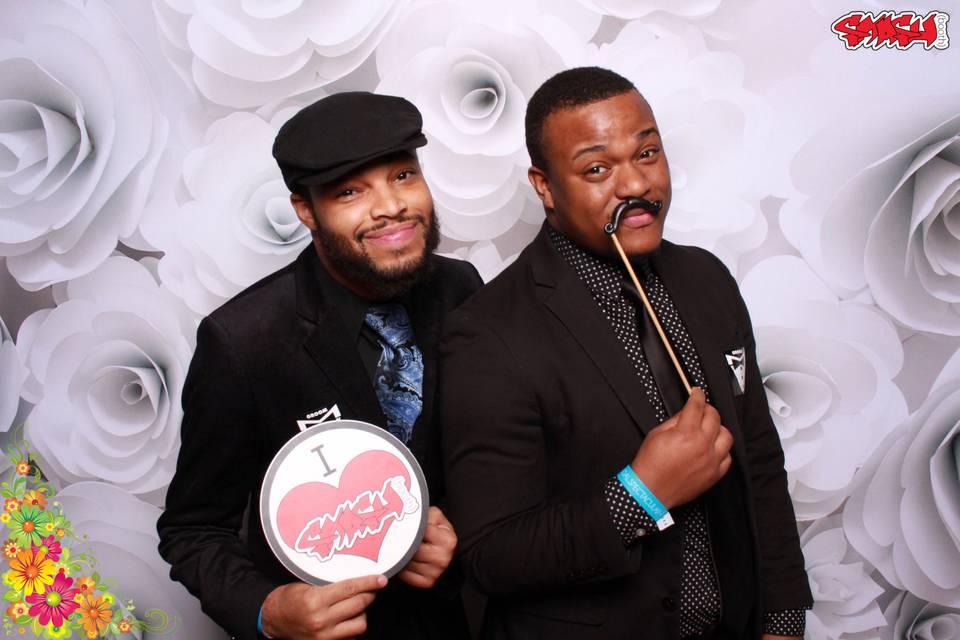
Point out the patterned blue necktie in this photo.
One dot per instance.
(399, 378)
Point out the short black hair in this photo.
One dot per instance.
(570, 88)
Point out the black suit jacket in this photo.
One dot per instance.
(541, 406)
(273, 354)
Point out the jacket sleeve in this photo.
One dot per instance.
(512, 540)
(784, 579)
(215, 478)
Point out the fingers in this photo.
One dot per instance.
(692, 413)
(350, 607)
(439, 529)
(723, 441)
(350, 628)
(346, 589)
(418, 580)
(435, 516)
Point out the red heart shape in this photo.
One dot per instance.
(322, 520)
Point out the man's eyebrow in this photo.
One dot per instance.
(600, 147)
(593, 149)
(646, 132)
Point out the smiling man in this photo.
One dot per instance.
(322, 333)
(593, 496)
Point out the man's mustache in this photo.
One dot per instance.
(628, 205)
(404, 218)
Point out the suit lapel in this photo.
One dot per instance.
(570, 301)
(427, 309)
(336, 356)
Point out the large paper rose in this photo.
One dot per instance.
(910, 618)
(828, 368)
(237, 224)
(470, 68)
(11, 376)
(80, 138)
(121, 532)
(879, 220)
(844, 594)
(714, 133)
(904, 513)
(106, 371)
(247, 53)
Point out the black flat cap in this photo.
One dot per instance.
(342, 132)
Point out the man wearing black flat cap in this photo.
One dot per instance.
(307, 339)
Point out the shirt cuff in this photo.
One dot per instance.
(789, 622)
(629, 518)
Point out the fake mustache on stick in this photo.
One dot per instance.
(627, 205)
(611, 230)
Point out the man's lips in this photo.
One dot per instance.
(637, 219)
(392, 235)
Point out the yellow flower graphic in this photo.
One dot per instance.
(32, 573)
(23, 468)
(124, 626)
(18, 609)
(11, 504)
(36, 498)
(95, 614)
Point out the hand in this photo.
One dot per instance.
(686, 455)
(301, 611)
(434, 554)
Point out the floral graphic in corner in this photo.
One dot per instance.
(50, 589)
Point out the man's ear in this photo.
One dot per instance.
(541, 184)
(304, 211)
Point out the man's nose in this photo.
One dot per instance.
(632, 181)
(387, 203)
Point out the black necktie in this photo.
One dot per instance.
(664, 374)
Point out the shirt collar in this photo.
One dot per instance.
(602, 276)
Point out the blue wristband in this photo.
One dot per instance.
(645, 497)
(260, 624)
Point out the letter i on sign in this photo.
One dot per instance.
(326, 466)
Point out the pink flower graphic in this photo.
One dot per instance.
(56, 604)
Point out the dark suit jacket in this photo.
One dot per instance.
(265, 359)
(541, 406)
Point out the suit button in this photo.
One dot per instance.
(669, 604)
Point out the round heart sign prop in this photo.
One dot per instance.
(341, 500)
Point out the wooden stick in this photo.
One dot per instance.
(653, 316)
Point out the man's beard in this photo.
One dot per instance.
(382, 283)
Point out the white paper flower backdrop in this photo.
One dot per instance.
(828, 180)
(11, 376)
(80, 136)
(247, 53)
(845, 595)
(910, 618)
(238, 224)
(904, 514)
(106, 368)
(828, 368)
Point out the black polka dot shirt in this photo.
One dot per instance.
(699, 592)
